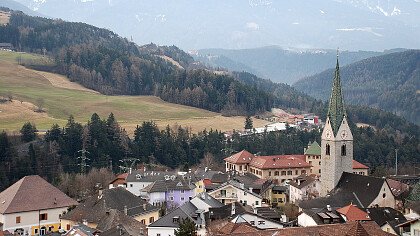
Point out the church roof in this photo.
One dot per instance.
(336, 111)
(314, 149)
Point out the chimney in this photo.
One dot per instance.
(250, 189)
(125, 210)
(85, 222)
(329, 207)
(233, 211)
(205, 169)
(144, 206)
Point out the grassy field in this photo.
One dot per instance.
(61, 98)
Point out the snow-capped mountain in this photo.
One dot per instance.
(348, 24)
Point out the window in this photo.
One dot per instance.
(310, 162)
(252, 222)
(240, 167)
(276, 173)
(384, 195)
(289, 172)
(319, 163)
(319, 171)
(131, 185)
(43, 216)
(303, 172)
(327, 149)
(151, 220)
(67, 227)
(182, 191)
(182, 198)
(296, 172)
(143, 221)
(171, 198)
(36, 231)
(343, 150)
(157, 234)
(257, 203)
(175, 219)
(17, 219)
(261, 222)
(50, 228)
(269, 173)
(283, 172)
(223, 193)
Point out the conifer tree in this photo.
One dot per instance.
(186, 228)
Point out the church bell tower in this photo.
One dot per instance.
(336, 140)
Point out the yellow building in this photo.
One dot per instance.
(276, 195)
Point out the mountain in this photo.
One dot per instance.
(390, 82)
(280, 64)
(237, 24)
(19, 7)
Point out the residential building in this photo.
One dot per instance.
(387, 218)
(363, 191)
(304, 187)
(276, 195)
(353, 213)
(233, 191)
(400, 190)
(32, 206)
(119, 181)
(319, 216)
(6, 46)
(94, 210)
(239, 162)
(137, 180)
(173, 191)
(413, 228)
(125, 229)
(82, 230)
(336, 140)
(359, 168)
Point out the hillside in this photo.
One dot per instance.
(280, 64)
(62, 98)
(389, 82)
(101, 60)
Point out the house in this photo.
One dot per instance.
(82, 230)
(400, 191)
(276, 195)
(239, 162)
(228, 228)
(119, 181)
(205, 178)
(251, 182)
(304, 187)
(195, 210)
(353, 213)
(347, 229)
(363, 191)
(95, 210)
(319, 216)
(32, 206)
(387, 218)
(233, 191)
(412, 210)
(173, 191)
(359, 168)
(414, 227)
(125, 229)
(6, 46)
(138, 180)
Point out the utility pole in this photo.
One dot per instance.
(83, 158)
(396, 162)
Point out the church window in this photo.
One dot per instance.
(327, 149)
(343, 150)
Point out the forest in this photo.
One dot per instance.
(105, 145)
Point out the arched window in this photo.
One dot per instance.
(327, 149)
(343, 150)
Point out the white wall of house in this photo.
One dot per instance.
(251, 199)
(135, 187)
(261, 223)
(305, 220)
(295, 194)
(385, 197)
(31, 218)
(236, 194)
(161, 231)
(156, 197)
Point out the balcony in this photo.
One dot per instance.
(226, 196)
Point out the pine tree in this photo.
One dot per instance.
(28, 132)
(248, 123)
(186, 228)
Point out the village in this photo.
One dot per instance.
(322, 191)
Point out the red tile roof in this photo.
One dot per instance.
(353, 213)
(279, 161)
(207, 182)
(397, 187)
(242, 157)
(358, 165)
(32, 193)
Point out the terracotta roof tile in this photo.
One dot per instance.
(32, 193)
(242, 157)
(353, 213)
(279, 161)
(358, 165)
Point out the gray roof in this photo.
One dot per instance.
(360, 190)
(148, 176)
(304, 181)
(209, 200)
(81, 228)
(383, 215)
(315, 214)
(187, 210)
(166, 185)
(124, 230)
(114, 218)
(95, 208)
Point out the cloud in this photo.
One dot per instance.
(252, 26)
(363, 29)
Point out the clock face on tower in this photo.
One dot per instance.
(328, 134)
(343, 134)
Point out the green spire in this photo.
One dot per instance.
(336, 110)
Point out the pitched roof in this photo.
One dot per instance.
(242, 157)
(32, 193)
(115, 217)
(96, 208)
(82, 230)
(166, 185)
(370, 228)
(233, 228)
(360, 190)
(303, 182)
(279, 161)
(358, 165)
(414, 206)
(353, 213)
(237, 185)
(384, 215)
(124, 230)
(148, 176)
(336, 111)
(398, 188)
(321, 214)
(313, 149)
(186, 210)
